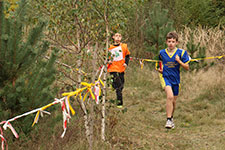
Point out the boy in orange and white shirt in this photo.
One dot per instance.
(119, 59)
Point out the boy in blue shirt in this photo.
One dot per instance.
(172, 59)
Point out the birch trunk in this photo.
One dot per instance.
(91, 115)
(83, 107)
(105, 76)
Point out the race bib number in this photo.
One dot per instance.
(117, 53)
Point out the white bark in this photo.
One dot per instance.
(84, 109)
(104, 78)
(91, 115)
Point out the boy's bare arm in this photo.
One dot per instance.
(185, 66)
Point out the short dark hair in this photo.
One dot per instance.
(172, 35)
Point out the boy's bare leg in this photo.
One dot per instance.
(174, 104)
(170, 103)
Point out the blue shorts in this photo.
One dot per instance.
(175, 87)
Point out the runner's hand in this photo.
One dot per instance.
(177, 58)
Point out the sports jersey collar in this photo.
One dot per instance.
(113, 46)
(172, 54)
(116, 44)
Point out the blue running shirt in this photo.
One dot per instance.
(171, 68)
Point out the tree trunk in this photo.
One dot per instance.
(83, 107)
(91, 115)
(105, 74)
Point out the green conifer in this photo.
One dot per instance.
(157, 26)
(25, 76)
(196, 51)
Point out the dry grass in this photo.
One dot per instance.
(199, 116)
(200, 109)
(211, 38)
(197, 83)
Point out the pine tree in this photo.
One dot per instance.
(25, 76)
(157, 26)
(196, 51)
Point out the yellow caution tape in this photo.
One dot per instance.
(101, 81)
(150, 60)
(71, 108)
(49, 105)
(36, 118)
(214, 57)
(88, 86)
(193, 59)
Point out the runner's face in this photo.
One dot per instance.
(171, 43)
(117, 38)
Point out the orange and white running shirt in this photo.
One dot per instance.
(118, 54)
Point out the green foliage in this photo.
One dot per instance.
(192, 48)
(25, 76)
(196, 51)
(66, 17)
(157, 26)
(117, 14)
(69, 19)
(204, 12)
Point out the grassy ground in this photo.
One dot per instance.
(199, 117)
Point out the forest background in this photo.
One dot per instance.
(49, 47)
